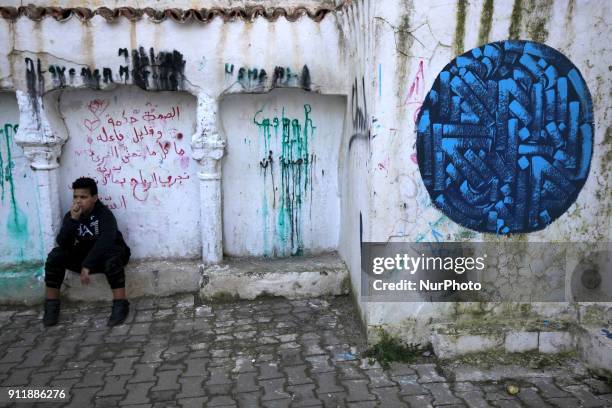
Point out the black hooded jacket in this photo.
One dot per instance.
(92, 235)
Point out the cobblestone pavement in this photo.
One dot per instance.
(268, 353)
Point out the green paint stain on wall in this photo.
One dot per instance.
(17, 223)
(515, 20)
(486, 21)
(293, 164)
(460, 28)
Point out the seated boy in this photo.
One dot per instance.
(88, 242)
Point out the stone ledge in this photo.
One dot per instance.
(292, 278)
(143, 278)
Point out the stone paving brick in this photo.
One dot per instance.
(246, 382)
(282, 403)
(427, 373)
(388, 397)
(114, 385)
(137, 393)
(123, 366)
(507, 404)
(303, 395)
(248, 399)
(531, 398)
(167, 380)
(547, 388)
(191, 387)
(597, 386)
(378, 378)
(297, 375)
(474, 399)
(83, 398)
(320, 364)
(92, 377)
(273, 389)
(269, 370)
(357, 390)
(193, 402)
(587, 399)
(409, 385)
(107, 402)
(421, 401)
(442, 394)
(327, 383)
(144, 372)
(20, 376)
(165, 395)
(566, 402)
(221, 401)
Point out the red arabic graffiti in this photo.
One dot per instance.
(137, 150)
(415, 91)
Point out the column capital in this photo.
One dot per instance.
(42, 147)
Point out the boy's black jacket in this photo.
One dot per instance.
(94, 235)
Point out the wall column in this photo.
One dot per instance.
(43, 149)
(208, 149)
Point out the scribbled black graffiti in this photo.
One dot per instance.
(35, 79)
(162, 71)
(306, 78)
(58, 74)
(91, 78)
(359, 114)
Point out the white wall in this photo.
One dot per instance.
(281, 210)
(136, 145)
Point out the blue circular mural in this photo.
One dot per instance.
(505, 137)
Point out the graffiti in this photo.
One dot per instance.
(505, 137)
(161, 71)
(359, 114)
(17, 223)
(252, 77)
(128, 149)
(295, 165)
(414, 98)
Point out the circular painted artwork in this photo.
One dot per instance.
(505, 137)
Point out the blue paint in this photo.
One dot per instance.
(505, 137)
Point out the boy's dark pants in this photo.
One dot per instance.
(60, 259)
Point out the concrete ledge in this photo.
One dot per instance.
(143, 278)
(555, 342)
(292, 278)
(521, 341)
(595, 349)
(453, 345)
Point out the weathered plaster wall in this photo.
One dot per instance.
(135, 144)
(423, 39)
(21, 251)
(280, 175)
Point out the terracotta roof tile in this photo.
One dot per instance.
(248, 13)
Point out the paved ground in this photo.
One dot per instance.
(269, 353)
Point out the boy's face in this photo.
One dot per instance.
(83, 198)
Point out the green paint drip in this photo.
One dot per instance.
(294, 162)
(486, 21)
(17, 224)
(515, 20)
(460, 29)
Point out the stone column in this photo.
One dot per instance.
(43, 149)
(208, 149)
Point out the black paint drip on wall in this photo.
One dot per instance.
(306, 78)
(163, 71)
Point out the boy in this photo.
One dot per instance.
(88, 242)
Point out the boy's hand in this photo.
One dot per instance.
(84, 276)
(75, 212)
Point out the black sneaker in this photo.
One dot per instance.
(121, 308)
(52, 309)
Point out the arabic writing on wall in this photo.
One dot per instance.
(135, 150)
